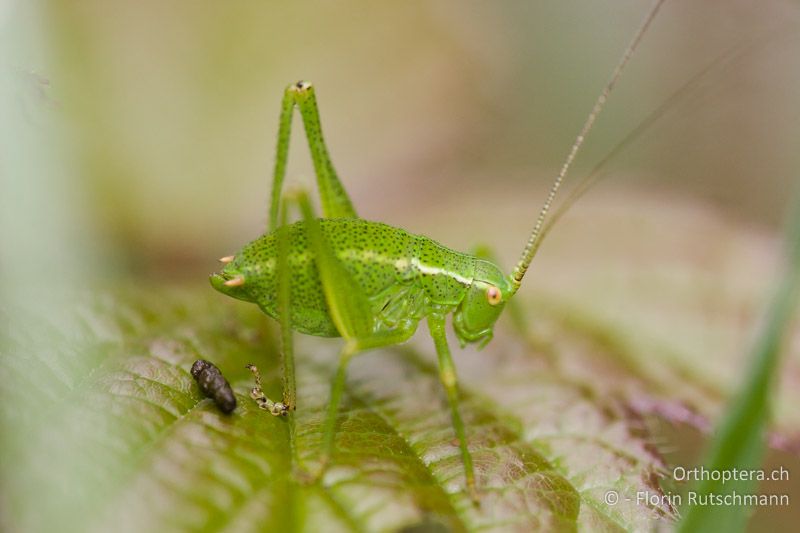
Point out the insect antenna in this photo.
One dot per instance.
(720, 62)
(532, 244)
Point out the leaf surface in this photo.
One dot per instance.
(114, 433)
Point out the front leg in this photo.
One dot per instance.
(447, 374)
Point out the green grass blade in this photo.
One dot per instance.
(739, 442)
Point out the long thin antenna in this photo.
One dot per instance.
(531, 246)
(722, 61)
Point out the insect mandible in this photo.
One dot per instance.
(370, 283)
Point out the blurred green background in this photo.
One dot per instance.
(137, 138)
(164, 115)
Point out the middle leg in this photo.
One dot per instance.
(350, 311)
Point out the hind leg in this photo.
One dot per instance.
(334, 198)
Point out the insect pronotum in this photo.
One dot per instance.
(370, 283)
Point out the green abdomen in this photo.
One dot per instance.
(381, 259)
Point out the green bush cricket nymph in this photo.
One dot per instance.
(367, 282)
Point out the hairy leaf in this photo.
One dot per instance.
(106, 429)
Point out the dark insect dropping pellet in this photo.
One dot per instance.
(214, 385)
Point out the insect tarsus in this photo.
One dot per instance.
(275, 408)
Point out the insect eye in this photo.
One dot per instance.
(493, 295)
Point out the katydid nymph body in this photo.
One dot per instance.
(370, 283)
(403, 277)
